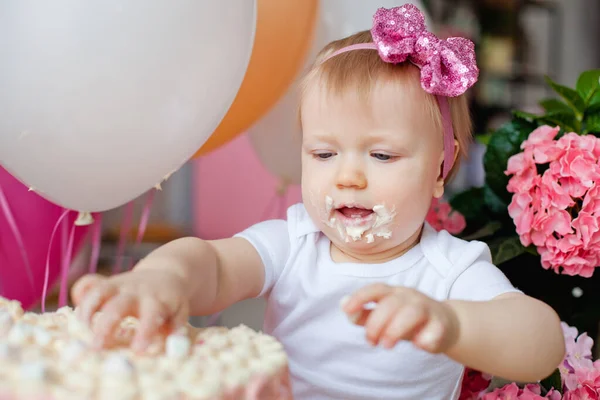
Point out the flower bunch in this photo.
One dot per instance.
(579, 377)
(579, 373)
(514, 392)
(556, 199)
(441, 216)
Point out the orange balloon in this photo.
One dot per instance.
(284, 32)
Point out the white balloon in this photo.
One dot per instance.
(276, 137)
(102, 99)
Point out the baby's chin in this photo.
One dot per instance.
(365, 242)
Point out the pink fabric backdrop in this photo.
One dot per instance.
(232, 191)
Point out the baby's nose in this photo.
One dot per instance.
(351, 177)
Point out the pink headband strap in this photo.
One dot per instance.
(448, 67)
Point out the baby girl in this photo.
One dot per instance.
(369, 301)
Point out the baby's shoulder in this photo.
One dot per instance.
(449, 252)
(300, 223)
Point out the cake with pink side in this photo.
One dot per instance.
(50, 356)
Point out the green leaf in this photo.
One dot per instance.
(532, 250)
(554, 105)
(571, 96)
(568, 122)
(588, 85)
(483, 138)
(506, 248)
(529, 117)
(505, 143)
(594, 103)
(593, 109)
(592, 123)
(553, 381)
(487, 230)
(469, 203)
(493, 202)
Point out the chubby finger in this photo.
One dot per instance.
(83, 285)
(380, 317)
(367, 294)
(360, 318)
(94, 299)
(181, 317)
(153, 315)
(410, 320)
(113, 312)
(431, 337)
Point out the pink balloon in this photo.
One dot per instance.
(223, 210)
(36, 218)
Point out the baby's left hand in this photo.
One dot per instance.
(403, 314)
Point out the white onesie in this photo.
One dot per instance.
(329, 357)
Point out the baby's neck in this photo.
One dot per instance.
(341, 255)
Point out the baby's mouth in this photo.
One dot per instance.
(354, 215)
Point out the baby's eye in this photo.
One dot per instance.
(323, 156)
(381, 156)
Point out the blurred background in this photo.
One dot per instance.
(254, 174)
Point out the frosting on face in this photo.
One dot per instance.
(354, 222)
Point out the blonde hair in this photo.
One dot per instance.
(360, 69)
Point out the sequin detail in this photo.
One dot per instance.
(448, 67)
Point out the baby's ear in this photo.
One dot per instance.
(438, 190)
(456, 150)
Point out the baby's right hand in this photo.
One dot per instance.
(157, 298)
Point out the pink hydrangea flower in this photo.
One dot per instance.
(558, 211)
(474, 383)
(529, 392)
(580, 375)
(582, 393)
(442, 217)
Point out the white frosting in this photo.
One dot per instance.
(6, 322)
(20, 333)
(42, 336)
(34, 371)
(178, 346)
(118, 365)
(73, 351)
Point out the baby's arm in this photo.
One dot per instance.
(512, 336)
(183, 277)
(218, 273)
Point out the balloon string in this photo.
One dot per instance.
(47, 272)
(96, 242)
(64, 238)
(144, 218)
(125, 229)
(16, 233)
(66, 264)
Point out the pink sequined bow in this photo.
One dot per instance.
(448, 67)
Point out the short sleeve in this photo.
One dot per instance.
(271, 240)
(479, 279)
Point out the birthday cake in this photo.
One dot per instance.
(51, 356)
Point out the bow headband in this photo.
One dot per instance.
(448, 67)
